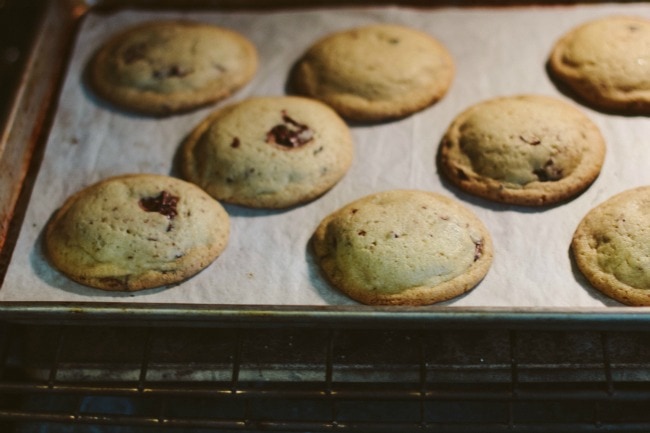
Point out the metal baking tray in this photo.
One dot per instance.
(24, 136)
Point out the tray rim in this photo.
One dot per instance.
(29, 114)
(165, 315)
(73, 12)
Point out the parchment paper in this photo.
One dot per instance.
(498, 52)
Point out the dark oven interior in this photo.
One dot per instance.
(132, 379)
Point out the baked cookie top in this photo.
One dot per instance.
(134, 232)
(611, 246)
(526, 150)
(268, 152)
(607, 63)
(403, 247)
(376, 72)
(166, 67)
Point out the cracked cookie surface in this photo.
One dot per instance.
(403, 247)
(375, 72)
(135, 232)
(166, 67)
(527, 150)
(611, 246)
(268, 152)
(607, 63)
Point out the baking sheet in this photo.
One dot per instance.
(498, 52)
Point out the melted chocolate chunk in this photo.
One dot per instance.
(549, 172)
(115, 283)
(172, 71)
(164, 204)
(235, 142)
(290, 133)
(478, 249)
(530, 139)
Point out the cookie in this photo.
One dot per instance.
(268, 152)
(166, 67)
(606, 62)
(527, 150)
(135, 232)
(376, 72)
(403, 247)
(611, 246)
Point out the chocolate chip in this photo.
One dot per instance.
(235, 143)
(172, 71)
(115, 283)
(164, 204)
(290, 133)
(549, 172)
(478, 249)
(530, 139)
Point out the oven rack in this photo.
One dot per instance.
(205, 379)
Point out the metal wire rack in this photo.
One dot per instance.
(139, 379)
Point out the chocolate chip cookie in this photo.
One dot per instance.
(166, 67)
(528, 150)
(611, 246)
(135, 232)
(376, 72)
(403, 247)
(607, 63)
(268, 152)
